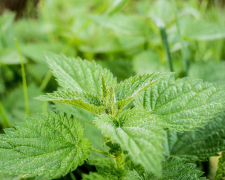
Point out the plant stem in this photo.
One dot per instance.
(46, 80)
(120, 160)
(102, 152)
(180, 38)
(24, 80)
(72, 176)
(6, 122)
(166, 46)
(220, 174)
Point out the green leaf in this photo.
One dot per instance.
(209, 71)
(127, 90)
(138, 132)
(105, 172)
(115, 6)
(10, 57)
(83, 115)
(202, 30)
(49, 144)
(220, 173)
(205, 142)
(133, 175)
(36, 51)
(94, 176)
(105, 169)
(147, 62)
(91, 132)
(6, 20)
(101, 162)
(82, 100)
(183, 104)
(173, 168)
(127, 25)
(16, 111)
(9, 177)
(121, 68)
(78, 75)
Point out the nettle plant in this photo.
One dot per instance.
(151, 124)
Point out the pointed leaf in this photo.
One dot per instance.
(183, 104)
(49, 144)
(199, 145)
(127, 90)
(138, 132)
(82, 100)
(91, 132)
(78, 75)
(105, 171)
(173, 168)
(82, 115)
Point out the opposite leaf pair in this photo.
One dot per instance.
(161, 103)
(92, 88)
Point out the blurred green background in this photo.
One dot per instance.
(126, 36)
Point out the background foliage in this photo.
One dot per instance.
(123, 36)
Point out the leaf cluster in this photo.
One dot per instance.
(139, 138)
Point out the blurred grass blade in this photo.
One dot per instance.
(116, 6)
(6, 122)
(24, 80)
(166, 46)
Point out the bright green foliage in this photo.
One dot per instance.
(183, 104)
(127, 90)
(78, 75)
(49, 144)
(82, 100)
(123, 36)
(208, 71)
(94, 176)
(173, 168)
(133, 175)
(102, 161)
(7, 177)
(201, 30)
(138, 132)
(9, 57)
(91, 132)
(5, 22)
(78, 113)
(121, 68)
(207, 141)
(147, 62)
(220, 173)
(116, 6)
(16, 111)
(105, 169)
(82, 76)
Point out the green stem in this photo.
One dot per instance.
(72, 176)
(120, 160)
(46, 80)
(24, 80)
(180, 38)
(166, 46)
(220, 173)
(6, 122)
(2, 86)
(102, 152)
